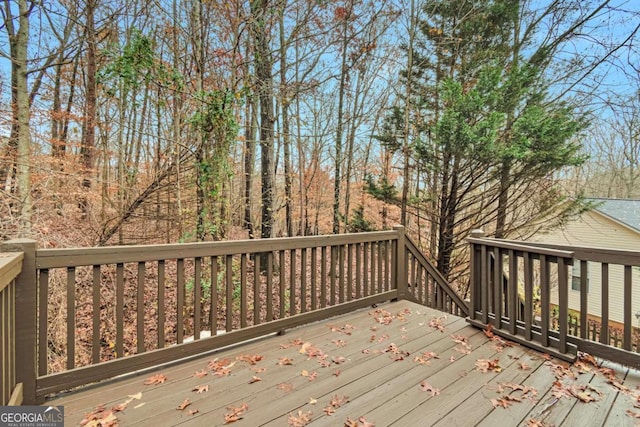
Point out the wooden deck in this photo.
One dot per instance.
(389, 364)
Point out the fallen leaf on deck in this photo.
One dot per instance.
(183, 405)
(360, 422)
(424, 386)
(285, 387)
(536, 423)
(633, 414)
(99, 418)
(201, 388)
(337, 372)
(235, 413)
(436, 323)
(282, 361)
(486, 365)
(329, 410)
(155, 379)
(338, 360)
(500, 402)
(139, 405)
(300, 420)
(488, 331)
(339, 343)
(136, 396)
(201, 373)
(193, 411)
(254, 379)
(523, 366)
(258, 369)
(312, 401)
(304, 347)
(251, 359)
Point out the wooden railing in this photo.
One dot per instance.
(522, 290)
(10, 387)
(107, 311)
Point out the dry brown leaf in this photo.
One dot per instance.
(337, 372)
(235, 413)
(300, 420)
(329, 410)
(488, 331)
(200, 374)
(155, 379)
(425, 386)
(183, 405)
(523, 366)
(193, 411)
(251, 359)
(312, 401)
(254, 379)
(486, 365)
(201, 388)
(285, 387)
(632, 414)
(282, 361)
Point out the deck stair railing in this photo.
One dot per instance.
(94, 313)
(540, 296)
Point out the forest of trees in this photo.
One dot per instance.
(128, 121)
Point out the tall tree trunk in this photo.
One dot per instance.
(264, 78)
(19, 43)
(87, 152)
(286, 137)
(339, 125)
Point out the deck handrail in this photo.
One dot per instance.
(234, 290)
(532, 268)
(10, 385)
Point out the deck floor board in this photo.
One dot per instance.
(376, 364)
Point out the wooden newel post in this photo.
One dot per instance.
(474, 279)
(401, 267)
(26, 324)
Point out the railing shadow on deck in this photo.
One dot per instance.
(521, 289)
(94, 313)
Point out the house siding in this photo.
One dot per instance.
(597, 230)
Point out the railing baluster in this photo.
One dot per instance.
(584, 304)
(140, 308)
(161, 315)
(484, 284)
(358, 249)
(269, 290)
(497, 288)
(180, 301)
(257, 285)
(628, 325)
(380, 283)
(349, 272)
(372, 269)
(243, 290)
(563, 301)
(512, 291)
(604, 326)
(229, 287)
(43, 321)
(292, 281)
(213, 314)
(119, 310)
(314, 279)
(332, 272)
(71, 317)
(420, 286)
(323, 277)
(365, 269)
(341, 288)
(544, 300)
(95, 321)
(303, 280)
(197, 297)
(283, 284)
(528, 295)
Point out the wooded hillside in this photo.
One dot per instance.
(127, 121)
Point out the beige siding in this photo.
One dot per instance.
(595, 229)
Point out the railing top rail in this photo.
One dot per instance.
(55, 258)
(10, 267)
(597, 254)
(525, 247)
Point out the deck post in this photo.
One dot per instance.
(474, 281)
(26, 319)
(401, 268)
